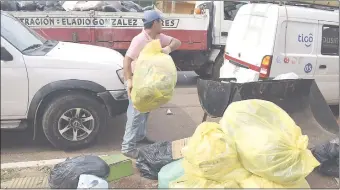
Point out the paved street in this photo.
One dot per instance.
(187, 113)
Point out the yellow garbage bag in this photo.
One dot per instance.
(268, 141)
(154, 78)
(259, 182)
(188, 181)
(212, 155)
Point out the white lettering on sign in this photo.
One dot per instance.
(90, 22)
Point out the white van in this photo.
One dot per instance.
(266, 40)
(64, 89)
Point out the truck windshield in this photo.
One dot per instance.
(19, 35)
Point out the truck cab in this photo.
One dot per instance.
(221, 15)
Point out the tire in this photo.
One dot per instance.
(59, 128)
(217, 66)
(203, 72)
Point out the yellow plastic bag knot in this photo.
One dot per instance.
(302, 142)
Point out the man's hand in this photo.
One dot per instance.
(129, 87)
(166, 50)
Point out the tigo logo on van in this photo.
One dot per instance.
(306, 39)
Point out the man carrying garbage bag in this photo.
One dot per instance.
(135, 129)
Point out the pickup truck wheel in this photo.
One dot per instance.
(217, 67)
(73, 121)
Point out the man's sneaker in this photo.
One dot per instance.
(131, 154)
(146, 141)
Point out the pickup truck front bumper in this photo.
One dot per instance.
(116, 102)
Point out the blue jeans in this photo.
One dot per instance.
(135, 129)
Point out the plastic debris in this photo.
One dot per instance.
(168, 112)
(92, 182)
(286, 76)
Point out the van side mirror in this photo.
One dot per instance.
(5, 55)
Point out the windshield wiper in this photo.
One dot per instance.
(32, 47)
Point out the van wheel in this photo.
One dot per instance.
(217, 67)
(73, 121)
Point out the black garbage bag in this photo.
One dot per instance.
(50, 6)
(109, 8)
(328, 156)
(65, 175)
(131, 6)
(112, 6)
(27, 5)
(152, 158)
(9, 5)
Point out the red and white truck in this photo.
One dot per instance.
(203, 34)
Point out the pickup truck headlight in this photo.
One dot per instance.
(120, 74)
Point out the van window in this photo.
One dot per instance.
(330, 40)
(231, 8)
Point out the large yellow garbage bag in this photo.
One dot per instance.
(212, 155)
(154, 78)
(188, 181)
(259, 182)
(268, 141)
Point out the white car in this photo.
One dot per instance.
(65, 89)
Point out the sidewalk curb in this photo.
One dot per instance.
(33, 164)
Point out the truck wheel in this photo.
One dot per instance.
(203, 72)
(73, 121)
(217, 66)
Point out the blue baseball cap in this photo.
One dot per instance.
(151, 15)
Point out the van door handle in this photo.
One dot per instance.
(224, 33)
(322, 67)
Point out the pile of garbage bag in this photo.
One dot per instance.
(154, 78)
(32, 6)
(83, 171)
(105, 6)
(255, 145)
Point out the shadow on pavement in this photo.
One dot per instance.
(17, 146)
